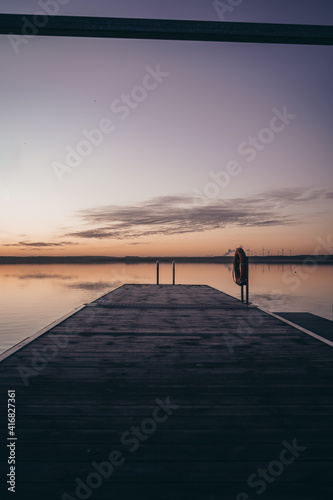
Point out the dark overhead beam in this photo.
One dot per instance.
(155, 29)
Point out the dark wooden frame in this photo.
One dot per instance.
(158, 29)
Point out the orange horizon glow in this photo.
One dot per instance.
(211, 243)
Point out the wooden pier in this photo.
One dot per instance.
(170, 392)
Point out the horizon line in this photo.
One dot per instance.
(137, 257)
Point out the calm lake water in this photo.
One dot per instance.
(32, 296)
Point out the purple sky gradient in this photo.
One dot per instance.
(190, 126)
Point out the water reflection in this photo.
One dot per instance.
(87, 285)
(45, 276)
(32, 296)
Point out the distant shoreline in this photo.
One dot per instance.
(294, 259)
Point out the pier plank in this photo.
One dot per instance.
(241, 381)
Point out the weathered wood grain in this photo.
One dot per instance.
(243, 381)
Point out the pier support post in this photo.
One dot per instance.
(246, 264)
(157, 272)
(247, 281)
(173, 272)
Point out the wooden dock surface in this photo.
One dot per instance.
(194, 390)
(316, 324)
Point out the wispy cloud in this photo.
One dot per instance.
(38, 244)
(169, 215)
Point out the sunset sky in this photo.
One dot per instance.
(204, 146)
